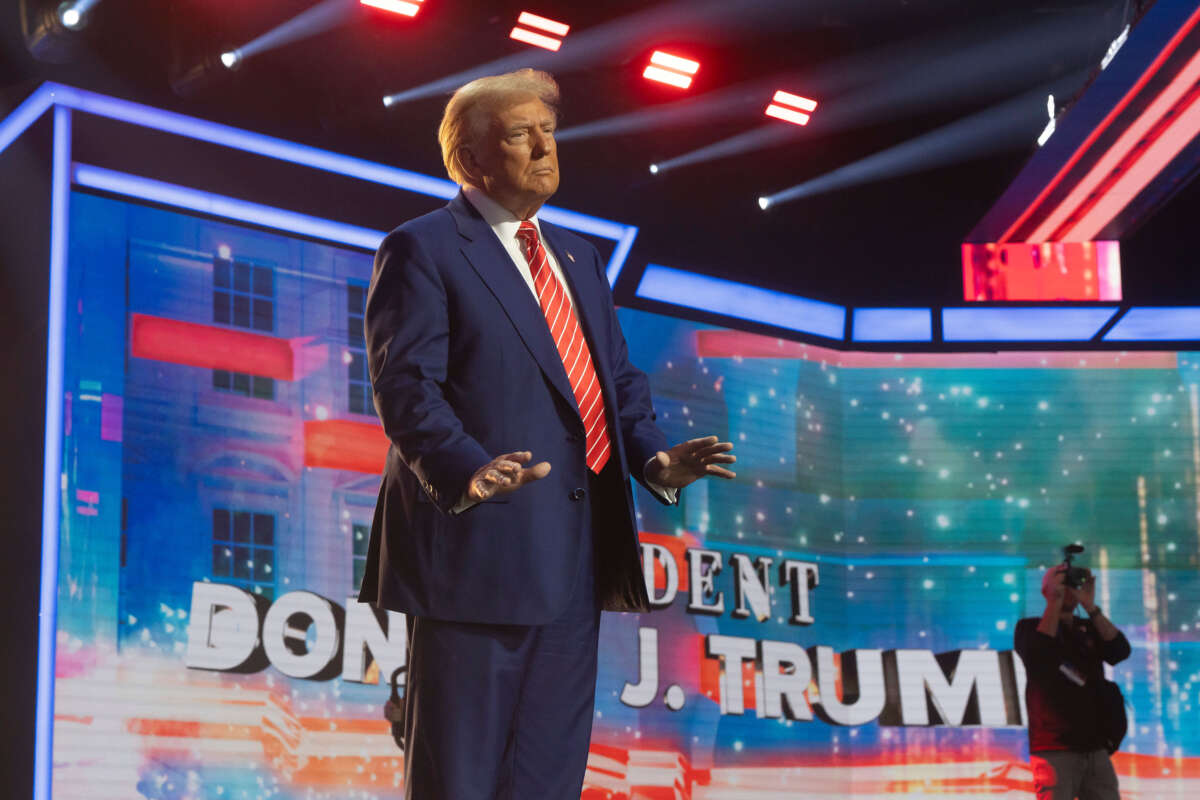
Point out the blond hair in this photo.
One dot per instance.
(465, 119)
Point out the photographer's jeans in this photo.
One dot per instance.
(1066, 775)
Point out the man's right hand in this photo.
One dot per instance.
(504, 474)
(1055, 587)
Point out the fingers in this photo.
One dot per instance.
(510, 469)
(719, 458)
(521, 456)
(480, 489)
(535, 473)
(712, 449)
(720, 472)
(701, 441)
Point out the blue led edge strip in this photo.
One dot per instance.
(1024, 324)
(304, 155)
(892, 325)
(24, 115)
(1157, 323)
(1049, 324)
(52, 487)
(742, 301)
(231, 208)
(619, 256)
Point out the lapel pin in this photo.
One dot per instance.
(571, 257)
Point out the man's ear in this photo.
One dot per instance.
(470, 165)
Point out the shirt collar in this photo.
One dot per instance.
(502, 221)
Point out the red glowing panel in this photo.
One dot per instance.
(345, 444)
(790, 108)
(211, 347)
(395, 6)
(1046, 271)
(671, 69)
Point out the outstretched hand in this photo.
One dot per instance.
(689, 461)
(504, 474)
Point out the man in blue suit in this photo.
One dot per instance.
(505, 518)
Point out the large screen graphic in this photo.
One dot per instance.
(836, 620)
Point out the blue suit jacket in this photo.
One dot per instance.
(464, 369)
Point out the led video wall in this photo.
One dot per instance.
(836, 620)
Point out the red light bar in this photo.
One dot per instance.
(543, 24)
(395, 6)
(1063, 222)
(676, 63)
(539, 39)
(790, 108)
(671, 69)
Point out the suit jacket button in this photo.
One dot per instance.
(577, 494)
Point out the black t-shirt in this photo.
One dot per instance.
(1064, 676)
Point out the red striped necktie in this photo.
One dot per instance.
(572, 348)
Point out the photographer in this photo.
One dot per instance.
(1072, 710)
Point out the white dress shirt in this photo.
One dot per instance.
(505, 225)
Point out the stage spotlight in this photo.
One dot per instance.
(654, 169)
(70, 17)
(318, 18)
(52, 32)
(671, 69)
(395, 6)
(539, 39)
(790, 108)
(763, 202)
(204, 74)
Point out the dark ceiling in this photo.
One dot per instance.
(884, 72)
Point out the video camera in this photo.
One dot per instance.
(1073, 576)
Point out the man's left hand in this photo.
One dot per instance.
(689, 461)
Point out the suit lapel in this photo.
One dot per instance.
(492, 263)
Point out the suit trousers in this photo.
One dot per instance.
(504, 712)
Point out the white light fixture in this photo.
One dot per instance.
(763, 202)
(1048, 131)
(654, 169)
(231, 59)
(70, 16)
(1114, 47)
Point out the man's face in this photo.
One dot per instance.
(516, 158)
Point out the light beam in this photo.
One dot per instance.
(993, 129)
